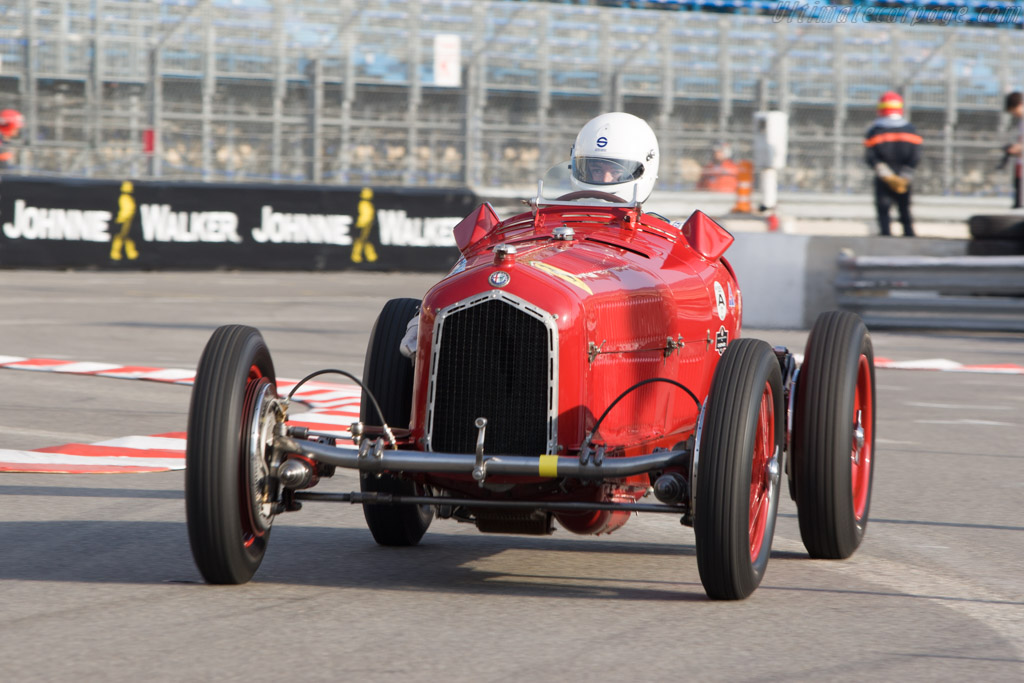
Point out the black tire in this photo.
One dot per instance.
(389, 375)
(997, 227)
(228, 490)
(834, 473)
(744, 418)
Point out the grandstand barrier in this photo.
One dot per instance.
(64, 223)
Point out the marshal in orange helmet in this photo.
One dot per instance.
(890, 104)
(893, 149)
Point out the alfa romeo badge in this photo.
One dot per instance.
(499, 278)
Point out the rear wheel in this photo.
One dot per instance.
(834, 436)
(229, 493)
(738, 470)
(389, 375)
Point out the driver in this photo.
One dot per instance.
(616, 153)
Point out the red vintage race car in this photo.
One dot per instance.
(579, 357)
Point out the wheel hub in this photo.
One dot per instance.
(858, 438)
(261, 438)
(773, 469)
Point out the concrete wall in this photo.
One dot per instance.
(772, 272)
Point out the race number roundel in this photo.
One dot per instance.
(720, 303)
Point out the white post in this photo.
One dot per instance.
(771, 140)
(769, 188)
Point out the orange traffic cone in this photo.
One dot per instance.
(744, 187)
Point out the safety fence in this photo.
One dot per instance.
(954, 292)
(481, 94)
(59, 223)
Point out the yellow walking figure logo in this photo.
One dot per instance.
(362, 247)
(125, 217)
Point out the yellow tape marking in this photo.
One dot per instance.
(548, 466)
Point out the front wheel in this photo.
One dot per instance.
(834, 436)
(738, 470)
(229, 491)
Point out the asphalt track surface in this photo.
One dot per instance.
(97, 580)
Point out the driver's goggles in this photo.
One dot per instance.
(604, 171)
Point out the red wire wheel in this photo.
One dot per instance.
(738, 470)
(229, 493)
(760, 475)
(259, 490)
(833, 457)
(863, 439)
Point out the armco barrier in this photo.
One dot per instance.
(788, 280)
(965, 292)
(48, 222)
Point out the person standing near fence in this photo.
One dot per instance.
(722, 173)
(893, 149)
(1015, 107)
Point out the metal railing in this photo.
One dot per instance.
(934, 292)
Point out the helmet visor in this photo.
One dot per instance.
(604, 171)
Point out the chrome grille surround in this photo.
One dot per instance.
(551, 390)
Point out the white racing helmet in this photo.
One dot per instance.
(614, 153)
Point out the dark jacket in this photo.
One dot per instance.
(893, 141)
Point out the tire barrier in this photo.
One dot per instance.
(929, 292)
(60, 223)
(996, 235)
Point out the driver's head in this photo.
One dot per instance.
(1015, 104)
(616, 153)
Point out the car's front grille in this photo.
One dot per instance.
(493, 358)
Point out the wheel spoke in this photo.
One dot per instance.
(863, 424)
(257, 508)
(760, 478)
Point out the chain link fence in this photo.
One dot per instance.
(345, 91)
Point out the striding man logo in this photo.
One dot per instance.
(362, 247)
(125, 218)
